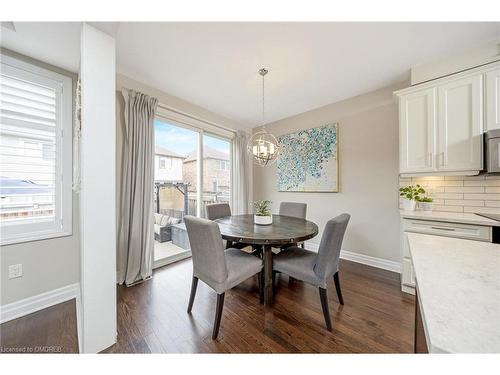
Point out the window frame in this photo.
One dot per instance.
(62, 224)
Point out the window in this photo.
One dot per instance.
(35, 152)
(165, 163)
(222, 165)
(162, 163)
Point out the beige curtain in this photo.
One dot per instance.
(135, 231)
(241, 170)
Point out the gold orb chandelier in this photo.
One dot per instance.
(263, 146)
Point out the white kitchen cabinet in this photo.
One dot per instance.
(460, 124)
(442, 122)
(492, 79)
(417, 121)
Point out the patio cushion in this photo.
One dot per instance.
(172, 220)
(161, 219)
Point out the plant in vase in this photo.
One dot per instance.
(262, 215)
(411, 195)
(425, 203)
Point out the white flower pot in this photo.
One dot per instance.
(262, 220)
(409, 205)
(426, 206)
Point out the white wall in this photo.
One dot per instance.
(98, 208)
(368, 172)
(47, 264)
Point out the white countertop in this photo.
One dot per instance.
(451, 217)
(458, 286)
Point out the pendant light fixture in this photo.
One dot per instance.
(263, 146)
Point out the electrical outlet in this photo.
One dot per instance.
(15, 270)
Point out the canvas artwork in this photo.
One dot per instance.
(308, 160)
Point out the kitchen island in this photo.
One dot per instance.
(458, 293)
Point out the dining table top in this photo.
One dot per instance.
(283, 230)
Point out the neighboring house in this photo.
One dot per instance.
(24, 199)
(216, 173)
(168, 165)
(28, 172)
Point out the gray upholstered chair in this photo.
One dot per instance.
(217, 210)
(317, 268)
(293, 209)
(221, 270)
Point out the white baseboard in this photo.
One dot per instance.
(39, 302)
(384, 264)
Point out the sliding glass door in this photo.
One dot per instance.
(175, 174)
(185, 182)
(216, 171)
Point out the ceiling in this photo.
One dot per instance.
(56, 43)
(215, 65)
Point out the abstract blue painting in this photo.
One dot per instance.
(308, 160)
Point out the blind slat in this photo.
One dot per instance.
(8, 81)
(29, 95)
(35, 104)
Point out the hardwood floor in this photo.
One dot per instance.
(51, 330)
(376, 318)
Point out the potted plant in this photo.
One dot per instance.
(410, 195)
(262, 215)
(425, 203)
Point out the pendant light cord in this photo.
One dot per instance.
(263, 103)
(263, 73)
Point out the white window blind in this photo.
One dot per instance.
(35, 191)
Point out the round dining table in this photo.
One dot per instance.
(284, 230)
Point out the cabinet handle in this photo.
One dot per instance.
(442, 158)
(441, 228)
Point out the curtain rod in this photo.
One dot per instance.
(164, 106)
(175, 110)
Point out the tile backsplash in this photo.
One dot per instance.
(460, 193)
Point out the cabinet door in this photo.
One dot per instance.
(417, 120)
(460, 125)
(493, 100)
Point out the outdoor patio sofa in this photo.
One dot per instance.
(163, 227)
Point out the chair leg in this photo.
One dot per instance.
(324, 306)
(218, 315)
(337, 287)
(261, 287)
(194, 285)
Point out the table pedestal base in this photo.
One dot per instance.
(268, 275)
